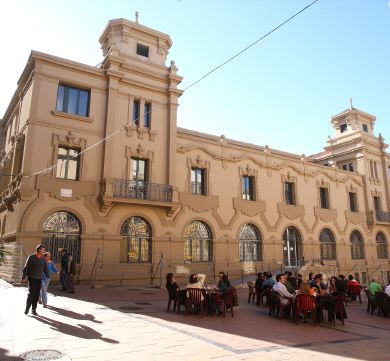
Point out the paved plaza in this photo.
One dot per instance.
(130, 323)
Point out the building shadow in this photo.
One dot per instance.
(75, 315)
(80, 331)
(250, 324)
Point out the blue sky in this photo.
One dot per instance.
(280, 92)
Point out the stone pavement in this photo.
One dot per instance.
(130, 323)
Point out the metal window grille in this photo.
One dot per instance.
(291, 247)
(381, 246)
(136, 243)
(198, 242)
(250, 243)
(328, 245)
(357, 245)
(62, 230)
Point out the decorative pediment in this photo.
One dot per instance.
(248, 170)
(139, 152)
(69, 140)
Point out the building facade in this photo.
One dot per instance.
(92, 160)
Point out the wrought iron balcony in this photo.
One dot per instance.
(382, 216)
(122, 188)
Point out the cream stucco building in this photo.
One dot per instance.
(92, 160)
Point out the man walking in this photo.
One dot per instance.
(34, 269)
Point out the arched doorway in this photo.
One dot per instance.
(62, 230)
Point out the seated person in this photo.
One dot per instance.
(319, 286)
(387, 290)
(171, 284)
(196, 281)
(292, 280)
(173, 290)
(374, 288)
(289, 286)
(280, 288)
(312, 281)
(224, 284)
(305, 289)
(221, 275)
(259, 281)
(269, 281)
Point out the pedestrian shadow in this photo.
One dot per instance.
(75, 315)
(80, 331)
(5, 356)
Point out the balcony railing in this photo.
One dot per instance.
(382, 216)
(123, 188)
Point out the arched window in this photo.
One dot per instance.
(249, 238)
(328, 244)
(197, 242)
(381, 246)
(357, 245)
(291, 247)
(62, 230)
(136, 245)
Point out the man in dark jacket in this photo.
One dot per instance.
(71, 273)
(64, 269)
(34, 269)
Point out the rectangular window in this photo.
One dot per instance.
(357, 276)
(377, 203)
(352, 202)
(364, 278)
(350, 167)
(365, 128)
(343, 127)
(289, 193)
(198, 181)
(248, 188)
(73, 100)
(143, 50)
(136, 112)
(147, 115)
(68, 163)
(324, 197)
(140, 169)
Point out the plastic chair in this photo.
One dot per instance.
(230, 298)
(196, 299)
(181, 299)
(251, 291)
(304, 304)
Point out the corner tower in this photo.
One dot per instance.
(142, 101)
(355, 148)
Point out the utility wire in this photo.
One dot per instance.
(250, 45)
(188, 87)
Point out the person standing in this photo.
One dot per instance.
(374, 288)
(34, 268)
(71, 273)
(46, 280)
(64, 269)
